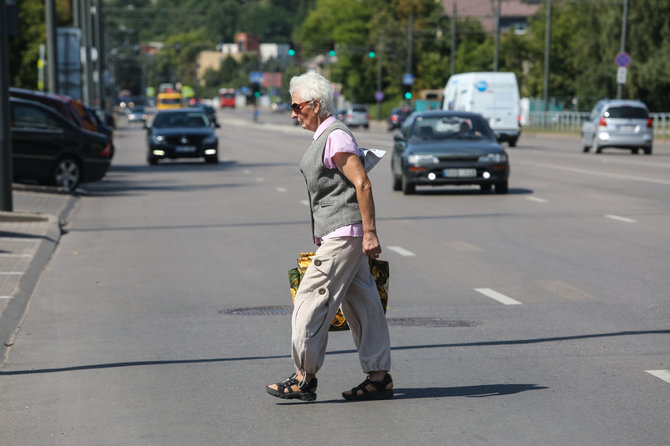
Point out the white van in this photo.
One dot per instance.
(494, 95)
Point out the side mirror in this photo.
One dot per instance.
(147, 125)
(217, 125)
(399, 137)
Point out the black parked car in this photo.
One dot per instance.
(182, 133)
(437, 148)
(49, 149)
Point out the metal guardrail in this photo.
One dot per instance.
(571, 122)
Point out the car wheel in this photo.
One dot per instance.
(366, 126)
(635, 151)
(67, 173)
(647, 150)
(153, 161)
(512, 142)
(486, 187)
(212, 160)
(408, 188)
(397, 182)
(501, 187)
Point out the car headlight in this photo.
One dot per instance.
(157, 139)
(211, 139)
(421, 158)
(493, 158)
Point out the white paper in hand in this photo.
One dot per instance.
(371, 157)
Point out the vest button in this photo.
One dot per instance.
(322, 291)
(317, 262)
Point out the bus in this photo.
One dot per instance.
(227, 97)
(166, 101)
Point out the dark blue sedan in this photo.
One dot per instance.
(439, 148)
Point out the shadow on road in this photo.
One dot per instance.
(340, 352)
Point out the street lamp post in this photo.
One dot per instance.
(5, 131)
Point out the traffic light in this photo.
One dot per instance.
(291, 49)
(407, 91)
(331, 53)
(256, 89)
(372, 53)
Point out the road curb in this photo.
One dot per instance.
(14, 312)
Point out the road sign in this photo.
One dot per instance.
(408, 79)
(622, 59)
(379, 96)
(256, 77)
(621, 75)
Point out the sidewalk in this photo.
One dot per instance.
(28, 237)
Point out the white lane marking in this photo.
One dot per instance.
(14, 255)
(280, 189)
(661, 374)
(6, 297)
(18, 239)
(304, 202)
(537, 199)
(401, 251)
(493, 294)
(619, 218)
(246, 171)
(11, 273)
(601, 174)
(260, 180)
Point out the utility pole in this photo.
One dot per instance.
(453, 41)
(87, 43)
(410, 44)
(5, 131)
(52, 46)
(547, 48)
(624, 20)
(497, 43)
(100, 61)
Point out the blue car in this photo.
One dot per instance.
(448, 148)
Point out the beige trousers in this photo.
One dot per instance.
(339, 274)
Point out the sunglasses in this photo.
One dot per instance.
(298, 107)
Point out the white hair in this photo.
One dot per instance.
(312, 85)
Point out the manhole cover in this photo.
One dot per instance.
(259, 311)
(429, 322)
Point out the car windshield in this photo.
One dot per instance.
(189, 119)
(434, 128)
(626, 112)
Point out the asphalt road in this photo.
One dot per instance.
(541, 317)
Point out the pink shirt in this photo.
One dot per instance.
(338, 141)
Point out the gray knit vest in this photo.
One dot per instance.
(332, 197)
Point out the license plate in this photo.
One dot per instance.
(459, 173)
(186, 149)
(627, 128)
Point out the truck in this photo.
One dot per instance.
(494, 95)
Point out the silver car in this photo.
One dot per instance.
(620, 124)
(357, 115)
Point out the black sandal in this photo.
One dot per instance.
(307, 390)
(381, 392)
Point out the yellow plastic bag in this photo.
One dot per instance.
(378, 268)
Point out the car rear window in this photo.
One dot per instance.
(626, 112)
(360, 109)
